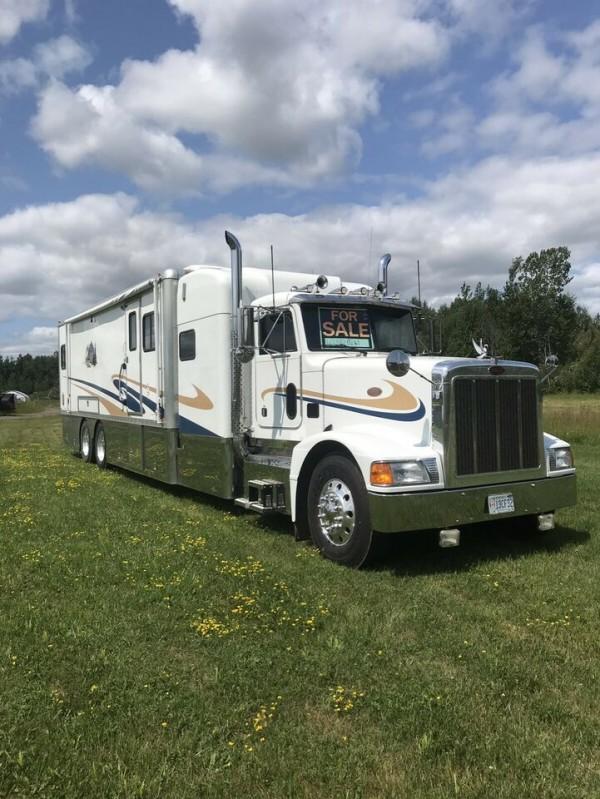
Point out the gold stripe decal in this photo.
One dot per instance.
(201, 401)
(400, 398)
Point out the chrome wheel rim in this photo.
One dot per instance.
(100, 447)
(85, 442)
(336, 513)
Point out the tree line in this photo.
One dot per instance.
(532, 317)
(33, 374)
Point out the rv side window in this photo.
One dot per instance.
(148, 332)
(187, 345)
(276, 333)
(132, 331)
(63, 356)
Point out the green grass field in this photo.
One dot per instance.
(155, 643)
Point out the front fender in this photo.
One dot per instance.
(364, 448)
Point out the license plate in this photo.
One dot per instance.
(501, 503)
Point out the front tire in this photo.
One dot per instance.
(100, 446)
(338, 511)
(85, 443)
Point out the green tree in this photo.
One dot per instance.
(539, 315)
(474, 314)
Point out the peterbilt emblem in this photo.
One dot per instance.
(90, 354)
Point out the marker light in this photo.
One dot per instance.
(381, 474)
(561, 458)
(397, 473)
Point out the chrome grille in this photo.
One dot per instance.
(496, 425)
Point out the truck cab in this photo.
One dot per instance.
(352, 431)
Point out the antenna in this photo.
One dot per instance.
(419, 281)
(272, 276)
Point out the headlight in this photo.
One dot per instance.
(395, 473)
(560, 458)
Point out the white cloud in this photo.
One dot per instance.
(59, 258)
(454, 130)
(275, 93)
(17, 74)
(71, 13)
(60, 56)
(15, 13)
(52, 59)
(39, 340)
(550, 102)
(491, 19)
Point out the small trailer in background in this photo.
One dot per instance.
(303, 394)
(8, 402)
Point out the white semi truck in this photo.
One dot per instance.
(304, 394)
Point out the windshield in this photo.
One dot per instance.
(367, 328)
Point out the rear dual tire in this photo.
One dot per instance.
(100, 446)
(86, 442)
(92, 446)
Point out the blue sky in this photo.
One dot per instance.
(460, 132)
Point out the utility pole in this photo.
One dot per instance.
(419, 281)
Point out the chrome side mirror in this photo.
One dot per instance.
(398, 363)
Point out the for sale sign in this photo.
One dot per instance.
(345, 327)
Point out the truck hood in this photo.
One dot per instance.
(364, 387)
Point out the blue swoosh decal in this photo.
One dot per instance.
(131, 404)
(136, 395)
(404, 416)
(185, 425)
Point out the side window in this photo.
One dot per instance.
(148, 332)
(63, 356)
(132, 331)
(276, 333)
(187, 345)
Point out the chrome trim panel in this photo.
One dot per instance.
(158, 457)
(123, 444)
(271, 446)
(71, 425)
(205, 463)
(278, 461)
(392, 513)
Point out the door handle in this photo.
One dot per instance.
(122, 392)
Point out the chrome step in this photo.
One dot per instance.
(264, 496)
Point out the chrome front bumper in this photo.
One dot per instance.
(391, 513)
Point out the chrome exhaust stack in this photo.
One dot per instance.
(236, 287)
(237, 432)
(384, 262)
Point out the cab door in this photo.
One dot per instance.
(277, 372)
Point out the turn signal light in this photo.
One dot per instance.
(381, 474)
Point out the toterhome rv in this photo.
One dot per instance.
(303, 394)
